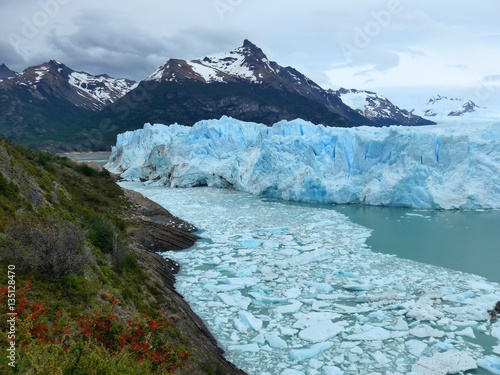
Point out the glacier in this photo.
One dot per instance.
(438, 167)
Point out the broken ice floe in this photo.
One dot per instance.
(295, 290)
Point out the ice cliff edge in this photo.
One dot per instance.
(425, 167)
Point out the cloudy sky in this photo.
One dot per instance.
(386, 45)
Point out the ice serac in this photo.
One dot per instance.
(426, 167)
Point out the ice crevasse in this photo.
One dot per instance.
(443, 167)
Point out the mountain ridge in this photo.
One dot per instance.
(51, 106)
(441, 106)
(378, 108)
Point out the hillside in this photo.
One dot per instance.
(90, 296)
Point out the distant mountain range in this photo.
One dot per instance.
(441, 106)
(378, 108)
(51, 105)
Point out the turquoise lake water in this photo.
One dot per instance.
(467, 241)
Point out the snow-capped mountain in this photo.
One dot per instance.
(242, 83)
(245, 84)
(247, 63)
(51, 102)
(378, 108)
(82, 89)
(6, 73)
(441, 106)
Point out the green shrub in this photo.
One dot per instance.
(101, 231)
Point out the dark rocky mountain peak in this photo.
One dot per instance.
(6, 73)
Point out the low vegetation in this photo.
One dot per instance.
(85, 303)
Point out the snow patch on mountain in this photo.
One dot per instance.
(442, 106)
(422, 167)
(377, 107)
(102, 88)
(243, 63)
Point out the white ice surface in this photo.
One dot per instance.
(451, 362)
(444, 167)
(273, 322)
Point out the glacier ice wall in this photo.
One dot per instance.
(422, 167)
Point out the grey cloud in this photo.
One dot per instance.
(113, 45)
(10, 57)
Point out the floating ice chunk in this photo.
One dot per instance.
(451, 362)
(495, 331)
(332, 370)
(319, 305)
(211, 274)
(266, 299)
(253, 348)
(305, 320)
(289, 309)
(252, 244)
(400, 325)
(424, 311)
(321, 331)
(315, 364)
(306, 258)
(347, 274)
(418, 215)
(481, 285)
(490, 363)
(235, 299)
(247, 271)
(416, 347)
(273, 230)
(291, 371)
(275, 341)
(379, 315)
(426, 331)
(320, 287)
(222, 287)
(380, 358)
(247, 320)
(259, 339)
(445, 345)
(292, 293)
(309, 352)
(357, 287)
(371, 333)
(466, 332)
